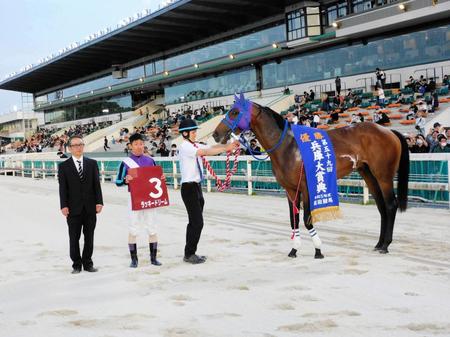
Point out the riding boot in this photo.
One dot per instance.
(133, 254)
(153, 252)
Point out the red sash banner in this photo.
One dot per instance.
(147, 189)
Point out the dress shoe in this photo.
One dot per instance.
(91, 269)
(155, 262)
(134, 263)
(194, 259)
(76, 270)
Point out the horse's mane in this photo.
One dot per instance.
(276, 116)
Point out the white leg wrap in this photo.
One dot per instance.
(295, 238)
(315, 238)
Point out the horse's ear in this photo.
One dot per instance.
(236, 99)
(242, 98)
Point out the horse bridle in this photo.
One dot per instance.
(235, 123)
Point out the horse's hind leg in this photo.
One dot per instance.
(377, 194)
(307, 219)
(391, 210)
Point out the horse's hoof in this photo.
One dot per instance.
(293, 253)
(383, 251)
(318, 254)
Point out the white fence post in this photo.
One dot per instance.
(208, 183)
(32, 169)
(23, 169)
(174, 170)
(43, 170)
(102, 171)
(448, 179)
(365, 193)
(249, 177)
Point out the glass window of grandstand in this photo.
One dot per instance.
(130, 74)
(237, 45)
(335, 11)
(359, 6)
(214, 86)
(296, 24)
(313, 21)
(420, 47)
(116, 104)
(41, 99)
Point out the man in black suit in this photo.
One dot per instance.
(81, 199)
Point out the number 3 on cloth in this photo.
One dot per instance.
(159, 190)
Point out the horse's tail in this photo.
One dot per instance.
(403, 173)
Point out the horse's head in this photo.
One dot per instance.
(236, 120)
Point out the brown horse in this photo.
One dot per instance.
(376, 152)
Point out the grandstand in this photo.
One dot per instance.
(166, 65)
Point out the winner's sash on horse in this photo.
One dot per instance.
(319, 160)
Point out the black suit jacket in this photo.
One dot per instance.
(76, 194)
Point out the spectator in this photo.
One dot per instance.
(61, 155)
(325, 103)
(163, 151)
(355, 119)
(381, 77)
(350, 93)
(412, 83)
(381, 118)
(312, 95)
(255, 149)
(334, 117)
(380, 96)
(316, 121)
(173, 151)
(432, 138)
(401, 99)
(434, 101)
(337, 82)
(446, 80)
(420, 123)
(105, 144)
(410, 115)
(291, 118)
(305, 96)
(421, 145)
(442, 146)
(361, 117)
(127, 149)
(410, 141)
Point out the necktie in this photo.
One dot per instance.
(80, 170)
(199, 169)
(198, 165)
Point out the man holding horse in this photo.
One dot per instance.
(191, 177)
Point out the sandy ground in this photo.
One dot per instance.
(248, 287)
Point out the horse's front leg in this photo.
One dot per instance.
(307, 219)
(294, 216)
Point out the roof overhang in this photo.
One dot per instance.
(182, 23)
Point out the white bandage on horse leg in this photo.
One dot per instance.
(315, 238)
(295, 237)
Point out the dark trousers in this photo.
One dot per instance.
(192, 196)
(76, 223)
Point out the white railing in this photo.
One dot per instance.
(45, 169)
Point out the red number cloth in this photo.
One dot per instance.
(147, 189)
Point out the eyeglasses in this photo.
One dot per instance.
(77, 145)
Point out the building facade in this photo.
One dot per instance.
(200, 49)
